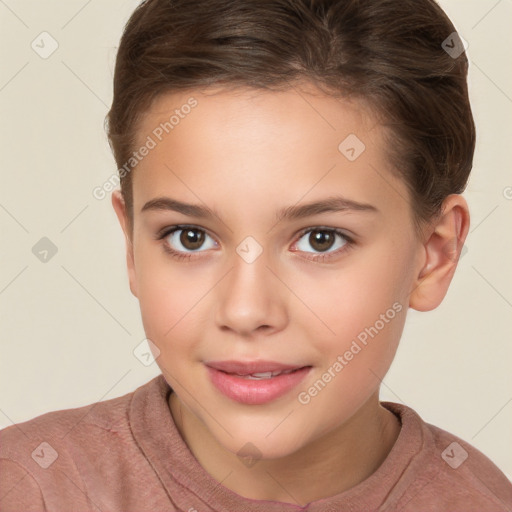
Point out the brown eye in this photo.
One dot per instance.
(187, 239)
(321, 240)
(191, 239)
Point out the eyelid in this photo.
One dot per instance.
(321, 257)
(317, 256)
(161, 233)
(167, 230)
(351, 238)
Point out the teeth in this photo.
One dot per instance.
(265, 375)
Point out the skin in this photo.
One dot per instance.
(247, 154)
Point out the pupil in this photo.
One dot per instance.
(321, 240)
(192, 239)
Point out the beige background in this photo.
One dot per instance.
(69, 326)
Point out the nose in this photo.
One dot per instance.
(251, 298)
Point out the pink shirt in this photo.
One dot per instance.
(126, 454)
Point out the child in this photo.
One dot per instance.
(290, 174)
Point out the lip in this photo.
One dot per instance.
(255, 392)
(248, 367)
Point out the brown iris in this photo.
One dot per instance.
(192, 238)
(321, 240)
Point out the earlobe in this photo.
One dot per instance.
(442, 252)
(120, 209)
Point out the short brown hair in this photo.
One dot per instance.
(388, 53)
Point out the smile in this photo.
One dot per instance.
(256, 388)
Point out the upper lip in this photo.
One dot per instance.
(249, 367)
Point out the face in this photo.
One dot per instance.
(263, 278)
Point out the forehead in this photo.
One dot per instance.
(261, 145)
(294, 112)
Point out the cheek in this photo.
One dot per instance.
(366, 314)
(347, 300)
(360, 312)
(169, 296)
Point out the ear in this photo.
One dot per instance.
(442, 249)
(120, 209)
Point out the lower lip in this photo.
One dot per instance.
(256, 392)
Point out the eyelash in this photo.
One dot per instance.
(321, 257)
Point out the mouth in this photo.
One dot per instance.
(244, 368)
(256, 382)
(263, 375)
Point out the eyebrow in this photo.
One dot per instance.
(331, 204)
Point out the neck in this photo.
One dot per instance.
(352, 452)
